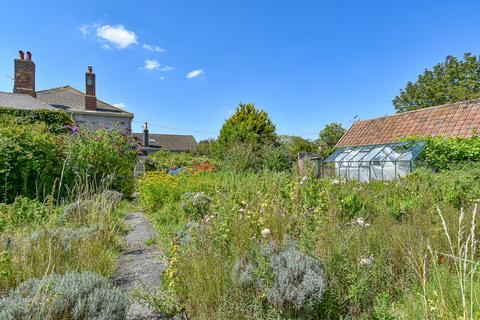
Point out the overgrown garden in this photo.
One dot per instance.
(61, 191)
(248, 236)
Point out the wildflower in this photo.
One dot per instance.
(209, 218)
(335, 181)
(303, 180)
(361, 222)
(366, 261)
(266, 232)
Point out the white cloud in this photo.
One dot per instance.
(152, 47)
(84, 30)
(120, 105)
(116, 35)
(152, 64)
(195, 73)
(162, 78)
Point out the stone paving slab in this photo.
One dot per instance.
(140, 266)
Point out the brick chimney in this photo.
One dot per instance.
(24, 75)
(146, 140)
(90, 96)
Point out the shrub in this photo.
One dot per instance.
(299, 279)
(195, 205)
(444, 153)
(54, 120)
(277, 159)
(83, 295)
(247, 125)
(31, 160)
(159, 188)
(165, 160)
(242, 157)
(95, 156)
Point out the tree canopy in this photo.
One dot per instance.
(451, 81)
(329, 137)
(247, 125)
(296, 144)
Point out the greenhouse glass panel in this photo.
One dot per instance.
(373, 162)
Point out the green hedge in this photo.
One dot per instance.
(443, 153)
(40, 158)
(55, 120)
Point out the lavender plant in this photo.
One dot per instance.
(299, 279)
(75, 295)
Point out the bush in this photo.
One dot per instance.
(299, 279)
(195, 205)
(83, 295)
(165, 160)
(277, 159)
(31, 160)
(54, 120)
(102, 155)
(444, 153)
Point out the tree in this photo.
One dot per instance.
(448, 82)
(296, 145)
(248, 125)
(329, 137)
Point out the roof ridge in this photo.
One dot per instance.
(471, 101)
(56, 88)
(167, 134)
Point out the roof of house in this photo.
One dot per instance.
(459, 119)
(170, 142)
(70, 99)
(22, 101)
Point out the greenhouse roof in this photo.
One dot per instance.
(390, 152)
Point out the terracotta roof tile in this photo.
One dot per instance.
(457, 119)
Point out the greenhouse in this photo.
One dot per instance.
(373, 162)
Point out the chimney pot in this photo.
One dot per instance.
(21, 55)
(90, 69)
(29, 55)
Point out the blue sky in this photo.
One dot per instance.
(187, 64)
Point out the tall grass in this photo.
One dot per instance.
(83, 235)
(383, 244)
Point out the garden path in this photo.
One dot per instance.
(140, 266)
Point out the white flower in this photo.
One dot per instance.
(303, 179)
(366, 261)
(266, 232)
(335, 181)
(361, 222)
(209, 218)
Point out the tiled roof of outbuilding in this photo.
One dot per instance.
(459, 119)
(170, 142)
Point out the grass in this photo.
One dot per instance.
(390, 250)
(81, 236)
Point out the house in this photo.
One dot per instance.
(375, 149)
(85, 108)
(153, 142)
